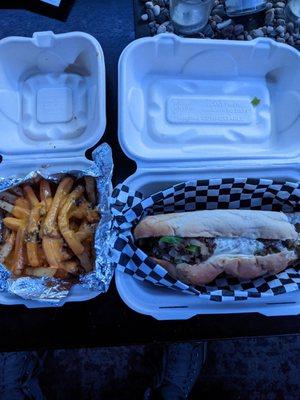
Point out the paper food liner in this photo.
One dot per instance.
(244, 193)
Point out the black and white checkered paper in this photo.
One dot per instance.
(244, 193)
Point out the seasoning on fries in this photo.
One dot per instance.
(48, 229)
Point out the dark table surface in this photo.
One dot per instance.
(106, 320)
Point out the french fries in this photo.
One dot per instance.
(19, 252)
(45, 194)
(30, 195)
(41, 271)
(49, 230)
(85, 231)
(33, 234)
(63, 221)
(6, 249)
(50, 223)
(53, 250)
(23, 203)
(90, 188)
(16, 211)
(13, 223)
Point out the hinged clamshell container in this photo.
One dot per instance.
(198, 109)
(52, 109)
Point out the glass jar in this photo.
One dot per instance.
(292, 10)
(243, 7)
(190, 16)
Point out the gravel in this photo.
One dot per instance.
(280, 29)
(208, 31)
(290, 27)
(156, 14)
(150, 14)
(279, 12)
(163, 16)
(270, 15)
(156, 10)
(219, 10)
(149, 4)
(170, 28)
(217, 18)
(258, 33)
(238, 29)
(224, 24)
(281, 21)
(161, 29)
(269, 5)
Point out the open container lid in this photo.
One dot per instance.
(194, 101)
(52, 95)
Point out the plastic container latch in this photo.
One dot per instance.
(44, 39)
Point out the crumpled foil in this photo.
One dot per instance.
(54, 290)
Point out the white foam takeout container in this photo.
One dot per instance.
(52, 109)
(185, 113)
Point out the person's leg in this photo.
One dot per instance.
(19, 376)
(182, 364)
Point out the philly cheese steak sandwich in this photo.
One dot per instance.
(197, 246)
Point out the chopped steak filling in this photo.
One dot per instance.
(196, 250)
(178, 250)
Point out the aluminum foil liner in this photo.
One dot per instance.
(55, 290)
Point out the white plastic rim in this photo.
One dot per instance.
(199, 109)
(162, 304)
